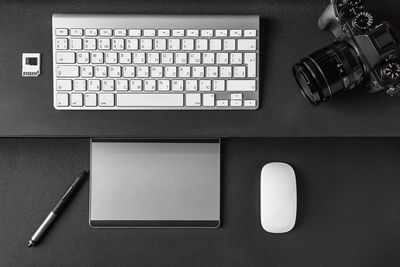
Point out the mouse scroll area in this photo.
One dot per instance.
(278, 197)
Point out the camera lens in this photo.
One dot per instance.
(328, 72)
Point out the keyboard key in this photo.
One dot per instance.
(205, 85)
(61, 32)
(180, 58)
(229, 44)
(250, 60)
(89, 44)
(236, 96)
(239, 72)
(221, 33)
(150, 100)
(250, 33)
(150, 85)
(114, 71)
(97, 58)
(61, 44)
(142, 71)
(64, 85)
(219, 85)
(91, 32)
(75, 44)
(177, 85)
(222, 103)
(248, 44)
(167, 58)
(100, 71)
(163, 33)
(194, 58)
(122, 85)
(139, 58)
(156, 72)
(236, 58)
(222, 58)
(208, 58)
(215, 44)
(62, 100)
(94, 85)
(135, 32)
(105, 32)
(129, 71)
(163, 85)
(146, 44)
(187, 44)
(184, 72)
(192, 33)
(174, 44)
(76, 100)
(87, 71)
(76, 32)
(120, 32)
(193, 100)
(201, 44)
(170, 72)
(249, 103)
(191, 85)
(207, 33)
(235, 33)
(198, 72)
(225, 72)
(90, 100)
(136, 85)
(67, 71)
(107, 85)
(111, 58)
(65, 57)
(82, 58)
(236, 103)
(241, 85)
(118, 44)
(125, 58)
(208, 100)
(149, 33)
(212, 72)
(160, 44)
(80, 85)
(132, 44)
(104, 44)
(178, 33)
(106, 100)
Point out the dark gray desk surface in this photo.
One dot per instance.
(288, 31)
(348, 209)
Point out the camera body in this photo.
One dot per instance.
(364, 54)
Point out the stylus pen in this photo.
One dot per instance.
(58, 209)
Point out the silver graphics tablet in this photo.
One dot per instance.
(155, 183)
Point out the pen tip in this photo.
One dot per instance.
(30, 244)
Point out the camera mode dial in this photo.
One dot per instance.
(363, 21)
(353, 3)
(391, 70)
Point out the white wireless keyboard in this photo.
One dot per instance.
(181, 62)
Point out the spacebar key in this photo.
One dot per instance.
(149, 100)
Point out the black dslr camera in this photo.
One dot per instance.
(364, 54)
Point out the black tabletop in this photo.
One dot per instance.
(289, 31)
(348, 209)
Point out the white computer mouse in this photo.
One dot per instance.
(278, 197)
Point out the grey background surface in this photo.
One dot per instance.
(348, 209)
(289, 31)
